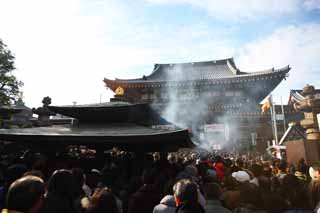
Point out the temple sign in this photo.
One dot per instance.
(119, 91)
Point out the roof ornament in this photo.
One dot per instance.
(119, 91)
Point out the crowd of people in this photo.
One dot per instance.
(183, 182)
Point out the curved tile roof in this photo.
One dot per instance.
(195, 71)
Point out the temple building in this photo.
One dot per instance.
(216, 100)
(131, 127)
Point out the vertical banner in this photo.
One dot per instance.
(254, 138)
(227, 132)
(318, 118)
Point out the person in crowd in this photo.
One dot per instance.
(103, 201)
(93, 179)
(302, 166)
(189, 172)
(213, 192)
(314, 186)
(238, 166)
(25, 195)
(148, 196)
(60, 195)
(250, 199)
(80, 196)
(186, 197)
(36, 173)
(295, 194)
(282, 172)
(231, 197)
(291, 168)
(256, 171)
(167, 203)
(219, 167)
(13, 173)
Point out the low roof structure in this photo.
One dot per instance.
(127, 126)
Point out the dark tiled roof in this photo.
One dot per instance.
(192, 71)
(112, 129)
(111, 113)
(196, 71)
(127, 136)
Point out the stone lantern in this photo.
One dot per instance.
(310, 106)
(43, 113)
(309, 146)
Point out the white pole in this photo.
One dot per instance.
(271, 116)
(284, 119)
(275, 122)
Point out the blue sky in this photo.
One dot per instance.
(64, 48)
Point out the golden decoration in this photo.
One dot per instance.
(119, 91)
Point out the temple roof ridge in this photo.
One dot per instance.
(198, 62)
(195, 71)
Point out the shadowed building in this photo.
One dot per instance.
(215, 99)
(131, 127)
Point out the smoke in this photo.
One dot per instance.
(188, 106)
(185, 105)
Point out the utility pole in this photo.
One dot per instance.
(283, 117)
(274, 121)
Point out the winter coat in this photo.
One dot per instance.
(231, 199)
(54, 203)
(167, 205)
(144, 200)
(248, 208)
(215, 206)
(190, 208)
(219, 170)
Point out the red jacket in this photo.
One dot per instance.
(219, 170)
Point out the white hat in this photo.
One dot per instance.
(241, 176)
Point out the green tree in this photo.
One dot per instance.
(9, 85)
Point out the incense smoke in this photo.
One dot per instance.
(188, 106)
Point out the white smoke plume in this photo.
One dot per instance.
(188, 107)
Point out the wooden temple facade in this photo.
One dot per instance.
(214, 92)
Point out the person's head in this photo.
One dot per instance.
(283, 166)
(185, 191)
(249, 194)
(257, 170)
(14, 172)
(26, 194)
(191, 170)
(149, 176)
(290, 181)
(103, 201)
(241, 176)
(264, 184)
(314, 171)
(275, 184)
(239, 162)
(61, 183)
(212, 191)
(93, 178)
(168, 188)
(36, 173)
(218, 159)
(302, 161)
